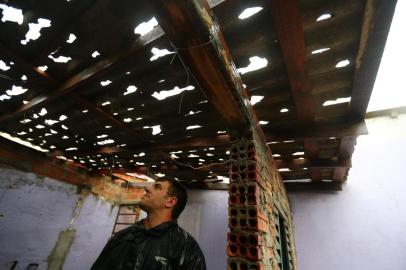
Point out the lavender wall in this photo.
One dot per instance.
(205, 217)
(33, 213)
(363, 226)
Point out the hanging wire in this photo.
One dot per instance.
(177, 49)
(197, 168)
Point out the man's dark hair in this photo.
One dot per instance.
(176, 189)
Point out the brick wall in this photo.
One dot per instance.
(258, 205)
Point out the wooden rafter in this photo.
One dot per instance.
(286, 15)
(375, 29)
(338, 129)
(29, 68)
(94, 72)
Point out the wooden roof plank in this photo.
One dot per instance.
(377, 20)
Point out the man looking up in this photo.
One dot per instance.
(156, 242)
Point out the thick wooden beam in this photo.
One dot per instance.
(313, 186)
(201, 45)
(286, 15)
(223, 168)
(345, 152)
(377, 19)
(336, 129)
(289, 28)
(25, 159)
(290, 186)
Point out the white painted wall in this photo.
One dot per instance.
(34, 210)
(363, 226)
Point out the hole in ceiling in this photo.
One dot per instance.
(63, 117)
(284, 110)
(337, 101)
(158, 53)
(256, 63)
(193, 127)
(105, 83)
(59, 59)
(71, 38)
(12, 14)
(43, 68)
(50, 122)
(146, 27)
(155, 129)
(343, 63)
(3, 66)
(324, 16)
(130, 89)
(25, 121)
(43, 112)
(161, 95)
(248, 12)
(255, 99)
(16, 90)
(192, 112)
(5, 97)
(95, 54)
(127, 120)
(34, 31)
(104, 142)
(322, 50)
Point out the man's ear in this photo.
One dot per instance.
(170, 202)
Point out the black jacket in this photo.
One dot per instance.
(164, 247)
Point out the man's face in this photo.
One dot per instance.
(156, 197)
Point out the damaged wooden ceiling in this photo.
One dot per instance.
(101, 84)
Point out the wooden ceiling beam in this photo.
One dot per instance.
(290, 186)
(376, 23)
(287, 20)
(25, 159)
(201, 45)
(346, 149)
(223, 168)
(336, 129)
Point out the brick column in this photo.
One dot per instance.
(258, 206)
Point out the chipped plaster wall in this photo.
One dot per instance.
(363, 226)
(35, 212)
